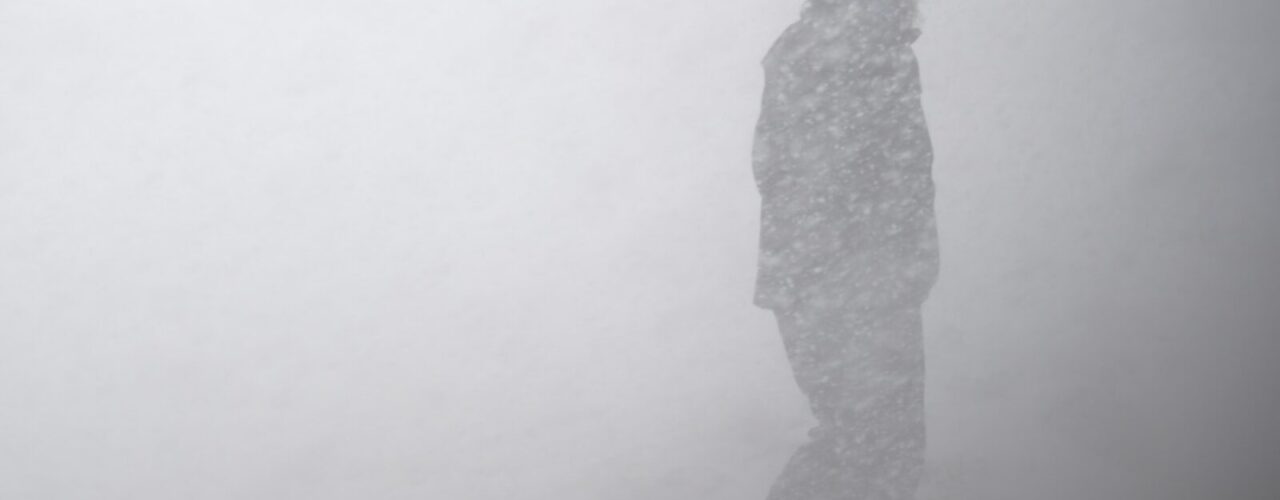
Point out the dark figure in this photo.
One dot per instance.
(848, 245)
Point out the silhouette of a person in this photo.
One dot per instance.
(848, 245)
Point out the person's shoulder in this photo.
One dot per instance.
(787, 39)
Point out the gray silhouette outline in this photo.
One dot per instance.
(848, 243)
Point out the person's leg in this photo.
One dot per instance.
(816, 470)
(881, 413)
(864, 377)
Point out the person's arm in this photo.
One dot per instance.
(767, 150)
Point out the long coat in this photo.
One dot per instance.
(843, 161)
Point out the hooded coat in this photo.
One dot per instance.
(843, 163)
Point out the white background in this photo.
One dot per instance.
(344, 249)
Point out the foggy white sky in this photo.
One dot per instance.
(504, 250)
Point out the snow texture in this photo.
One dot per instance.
(848, 243)
(507, 250)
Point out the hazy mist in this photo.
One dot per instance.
(505, 250)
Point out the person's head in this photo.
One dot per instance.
(883, 11)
